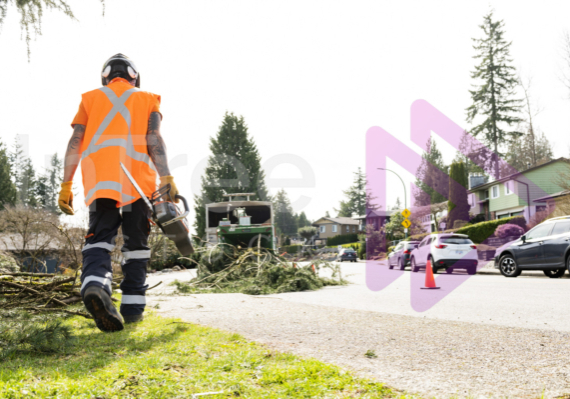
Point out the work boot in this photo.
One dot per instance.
(133, 318)
(99, 304)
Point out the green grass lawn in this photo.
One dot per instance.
(165, 358)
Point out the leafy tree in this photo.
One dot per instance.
(233, 167)
(48, 184)
(307, 232)
(284, 218)
(432, 180)
(458, 206)
(493, 94)
(8, 192)
(31, 12)
(358, 199)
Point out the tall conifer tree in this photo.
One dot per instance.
(495, 107)
(234, 166)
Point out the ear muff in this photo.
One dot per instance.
(132, 72)
(106, 71)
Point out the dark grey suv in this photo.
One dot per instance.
(400, 255)
(546, 247)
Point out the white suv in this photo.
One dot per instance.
(445, 251)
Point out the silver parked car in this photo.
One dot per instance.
(400, 255)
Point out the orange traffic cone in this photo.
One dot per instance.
(430, 281)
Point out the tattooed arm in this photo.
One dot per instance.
(73, 153)
(155, 145)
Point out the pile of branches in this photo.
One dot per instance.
(39, 293)
(255, 271)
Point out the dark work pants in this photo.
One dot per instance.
(104, 221)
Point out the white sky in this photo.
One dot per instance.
(309, 77)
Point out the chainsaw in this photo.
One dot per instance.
(166, 215)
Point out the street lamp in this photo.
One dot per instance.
(405, 195)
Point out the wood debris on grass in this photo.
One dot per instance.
(255, 271)
(40, 293)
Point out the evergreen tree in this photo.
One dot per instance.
(531, 150)
(302, 220)
(24, 176)
(458, 206)
(432, 180)
(398, 205)
(8, 192)
(493, 94)
(48, 184)
(327, 214)
(284, 219)
(357, 197)
(233, 167)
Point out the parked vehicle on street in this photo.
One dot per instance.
(400, 255)
(445, 251)
(348, 254)
(546, 247)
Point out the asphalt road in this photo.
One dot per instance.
(527, 302)
(532, 302)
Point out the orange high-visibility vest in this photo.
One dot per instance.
(116, 131)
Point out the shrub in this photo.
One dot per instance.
(291, 249)
(362, 250)
(477, 232)
(390, 248)
(509, 230)
(342, 239)
(481, 231)
(537, 219)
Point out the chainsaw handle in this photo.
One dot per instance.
(184, 215)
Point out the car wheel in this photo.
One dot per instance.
(508, 266)
(390, 264)
(449, 270)
(402, 264)
(472, 270)
(414, 267)
(554, 273)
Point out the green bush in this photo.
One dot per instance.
(342, 239)
(478, 232)
(391, 248)
(291, 249)
(362, 250)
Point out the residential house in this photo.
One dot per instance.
(328, 227)
(523, 193)
(373, 217)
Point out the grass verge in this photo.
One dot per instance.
(165, 358)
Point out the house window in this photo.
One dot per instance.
(323, 229)
(509, 187)
(334, 228)
(494, 192)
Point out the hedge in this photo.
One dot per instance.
(354, 245)
(342, 239)
(478, 232)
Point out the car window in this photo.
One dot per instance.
(539, 231)
(412, 245)
(455, 240)
(561, 228)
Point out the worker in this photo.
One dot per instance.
(116, 123)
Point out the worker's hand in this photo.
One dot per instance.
(164, 180)
(65, 201)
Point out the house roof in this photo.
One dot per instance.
(15, 242)
(509, 177)
(551, 196)
(339, 220)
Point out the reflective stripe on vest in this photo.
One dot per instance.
(119, 107)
